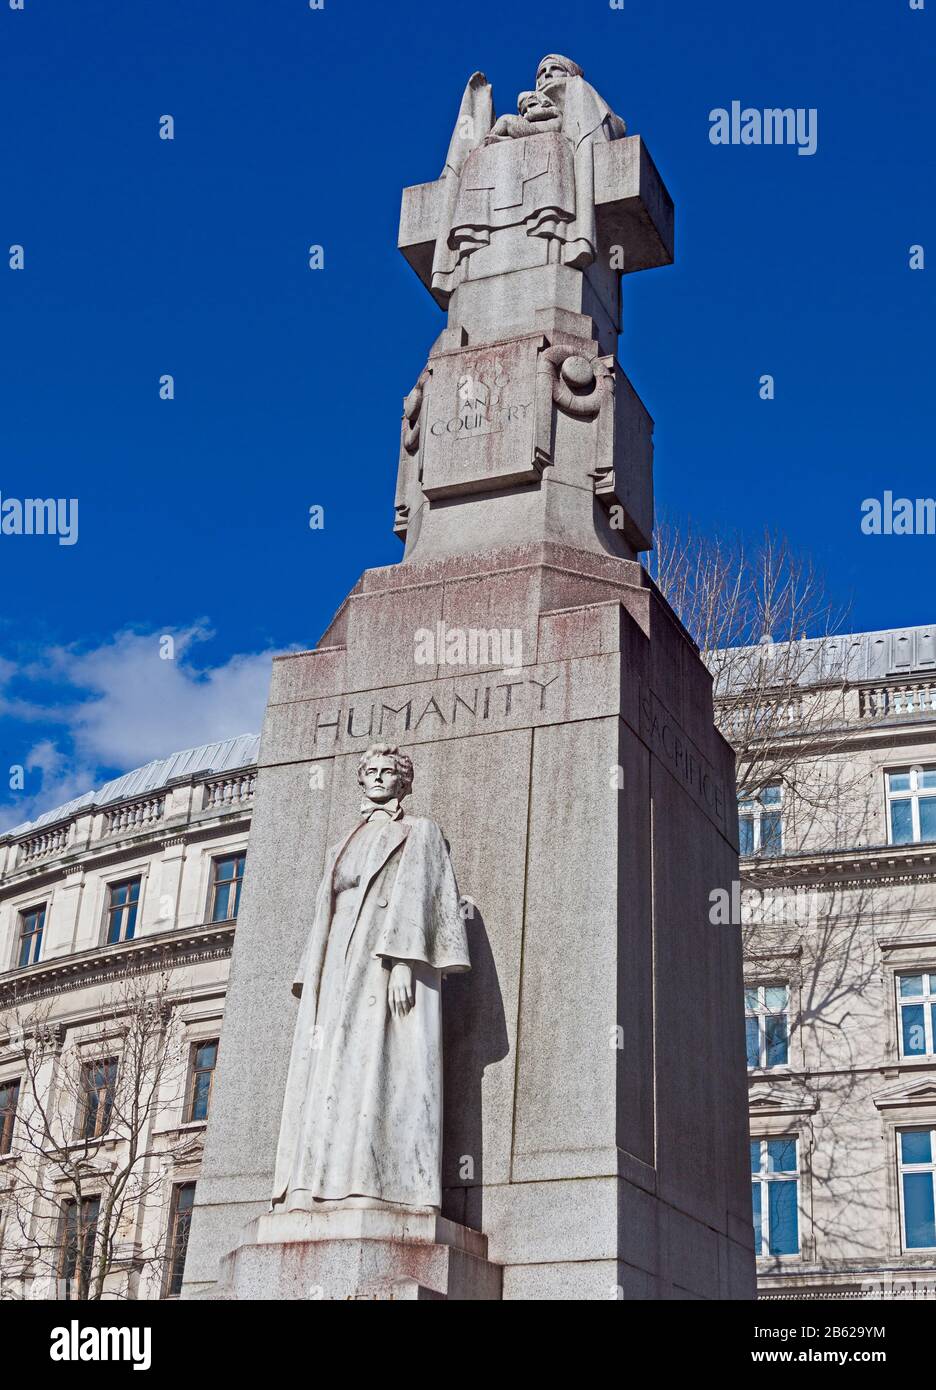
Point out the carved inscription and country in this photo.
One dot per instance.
(482, 430)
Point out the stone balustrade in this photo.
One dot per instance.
(229, 791)
(765, 718)
(911, 698)
(133, 815)
(45, 842)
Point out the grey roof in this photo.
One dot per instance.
(224, 756)
(896, 651)
(856, 657)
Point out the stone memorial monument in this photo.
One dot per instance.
(567, 1118)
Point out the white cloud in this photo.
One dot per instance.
(122, 704)
(62, 779)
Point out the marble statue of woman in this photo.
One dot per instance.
(362, 1115)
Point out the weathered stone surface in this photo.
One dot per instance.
(594, 1116)
(564, 1141)
(358, 1255)
(566, 1109)
(521, 407)
(599, 1281)
(635, 211)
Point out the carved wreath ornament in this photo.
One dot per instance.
(579, 386)
(411, 408)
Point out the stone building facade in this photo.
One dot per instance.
(839, 912)
(117, 915)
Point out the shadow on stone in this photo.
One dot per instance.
(473, 1038)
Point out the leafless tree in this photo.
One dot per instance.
(96, 1125)
(772, 639)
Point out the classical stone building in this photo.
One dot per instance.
(117, 916)
(839, 907)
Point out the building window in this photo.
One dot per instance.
(916, 1149)
(204, 1058)
(760, 823)
(911, 805)
(183, 1198)
(916, 1000)
(78, 1238)
(30, 939)
(775, 1192)
(122, 902)
(98, 1080)
(766, 1022)
(9, 1098)
(226, 877)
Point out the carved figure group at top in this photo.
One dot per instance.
(545, 187)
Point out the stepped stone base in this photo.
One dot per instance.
(346, 1255)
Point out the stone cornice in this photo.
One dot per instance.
(784, 1095)
(876, 864)
(102, 854)
(779, 952)
(105, 964)
(909, 1091)
(925, 941)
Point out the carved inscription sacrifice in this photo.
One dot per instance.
(662, 734)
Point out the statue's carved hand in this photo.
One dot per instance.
(400, 989)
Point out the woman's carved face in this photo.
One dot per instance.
(549, 73)
(381, 779)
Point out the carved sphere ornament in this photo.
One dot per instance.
(578, 373)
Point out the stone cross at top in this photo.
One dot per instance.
(521, 426)
(557, 189)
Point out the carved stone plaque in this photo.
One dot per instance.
(479, 421)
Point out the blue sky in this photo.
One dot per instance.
(293, 127)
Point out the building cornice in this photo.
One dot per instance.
(925, 941)
(107, 964)
(818, 742)
(103, 855)
(879, 863)
(779, 1095)
(907, 1092)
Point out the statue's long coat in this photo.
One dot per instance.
(362, 1114)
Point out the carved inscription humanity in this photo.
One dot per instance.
(441, 708)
